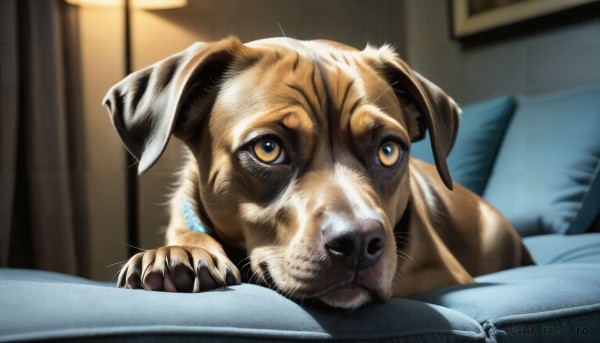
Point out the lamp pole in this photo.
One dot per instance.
(131, 180)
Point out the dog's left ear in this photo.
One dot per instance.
(151, 104)
(436, 111)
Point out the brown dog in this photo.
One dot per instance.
(299, 157)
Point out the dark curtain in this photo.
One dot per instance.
(41, 166)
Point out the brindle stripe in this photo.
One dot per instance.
(314, 84)
(140, 87)
(333, 114)
(354, 106)
(165, 73)
(278, 56)
(346, 92)
(296, 61)
(314, 109)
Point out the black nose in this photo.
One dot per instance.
(355, 244)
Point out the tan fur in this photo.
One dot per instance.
(330, 106)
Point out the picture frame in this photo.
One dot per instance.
(471, 18)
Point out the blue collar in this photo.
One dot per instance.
(191, 219)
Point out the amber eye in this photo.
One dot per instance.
(269, 151)
(389, 153)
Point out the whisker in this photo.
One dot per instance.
(270, 256)
(116, 275)
(401, 273)
(385, 108)
(134, 247)
(405, 256)
(250, 279)
(133, 160)
(406, 239)
(247, 259)
(114, 264)
(281, 29)
(387, 90)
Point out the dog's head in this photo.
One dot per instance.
(302, 150)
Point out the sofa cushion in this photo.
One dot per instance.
(505, 304)
(546, 175)
(536, 303)
(67, 308)
(557, 248)
(481, 129)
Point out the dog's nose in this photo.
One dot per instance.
(356, 244)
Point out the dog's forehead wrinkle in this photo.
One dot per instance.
(240, 91)
(373, 118)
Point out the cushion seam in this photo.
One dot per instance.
(569, 256)
(229, 332)
(545, 315)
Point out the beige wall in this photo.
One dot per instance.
(102, 65)
(559, 57)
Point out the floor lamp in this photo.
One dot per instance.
(131, 181)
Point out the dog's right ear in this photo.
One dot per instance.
(435, 112)
(147, 105)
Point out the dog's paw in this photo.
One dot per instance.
(178, 269)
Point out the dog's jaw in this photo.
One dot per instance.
(365, 288)
(349, 290)
(349, 296)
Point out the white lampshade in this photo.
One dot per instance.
(141, 4)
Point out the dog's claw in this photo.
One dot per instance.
(129, 276)
(183, 278)
(171, 269)
(206, 280)
(229, 278)
(154, 281)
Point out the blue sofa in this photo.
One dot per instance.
(535, 157)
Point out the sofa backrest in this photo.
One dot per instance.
(545, 179)
(536, 158)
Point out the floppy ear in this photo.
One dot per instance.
(148, 106)
(436, 111)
